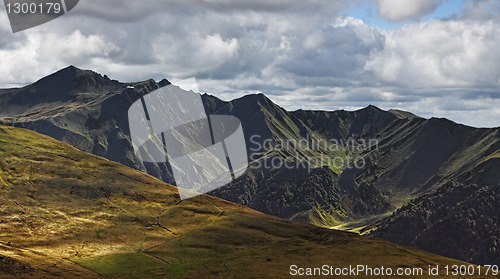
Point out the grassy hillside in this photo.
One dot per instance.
(68, 214)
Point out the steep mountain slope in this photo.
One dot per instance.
(69, 214)
(457, 220)
(84, 109)
(460, 218)
(294, 171)
(405, 157)
(422, 154)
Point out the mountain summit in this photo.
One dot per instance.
(75, 79)
(67, 85)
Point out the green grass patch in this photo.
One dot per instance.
(360, 226)
(176, 268)
(323, 218)
(128, 265)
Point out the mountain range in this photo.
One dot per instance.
(69, 214)
(428, 183)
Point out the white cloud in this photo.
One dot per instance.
(76, 47)
(403, 10)
(38, 54)
(208, 53)
(439, 54)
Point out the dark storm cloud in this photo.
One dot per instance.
(127, 11)
(482, 10)
(340, 51)
(403, 10)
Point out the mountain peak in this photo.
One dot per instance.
(68, 84)
(74, 72)
(260, 100)
(260, 97)
(75, 78)
(164, 82)
(253, 98)
(372, 108)
(71, 68)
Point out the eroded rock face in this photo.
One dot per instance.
(458, 219)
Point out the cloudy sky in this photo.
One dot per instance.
(431, 57)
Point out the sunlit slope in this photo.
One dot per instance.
(68, 214)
